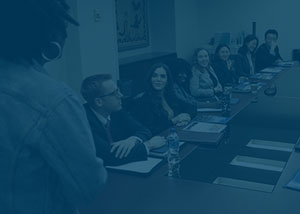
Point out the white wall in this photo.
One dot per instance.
(162, 25)
(98, 44)
(92, 47)
(197, 21)
(190, 32)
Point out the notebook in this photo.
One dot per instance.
(263, 76)
(202, 133)
(286, 64)
(205, 127)
(140, 167)
(212, 119)
(272, 70)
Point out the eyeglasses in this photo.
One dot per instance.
(115, 93)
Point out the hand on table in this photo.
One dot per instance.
(155, 142)
(122, 148)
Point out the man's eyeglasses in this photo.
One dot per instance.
(115, 93)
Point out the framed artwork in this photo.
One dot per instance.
(132, 24)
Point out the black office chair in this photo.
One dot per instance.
(296, 55)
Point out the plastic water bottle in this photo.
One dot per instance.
(226, 99)
(173, 154)
(254, 91)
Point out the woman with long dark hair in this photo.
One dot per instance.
(246, 57)
(225, 67)
(158, 108)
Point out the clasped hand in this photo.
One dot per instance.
(181, 119)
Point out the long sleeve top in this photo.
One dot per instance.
(149, 111)
(264, 58)
(122, 126)
(204, 82)
(246, 63)
(225, 75)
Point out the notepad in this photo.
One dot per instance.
(271, 145)
(142, 167)
(246, 87)
(263, 76)
(243, 184)
(212, 119)
(205, 127)
(294, 183)
(272, 70)
(258, 163)
(286, 64)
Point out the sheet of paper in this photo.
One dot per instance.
(272, 70)
(139, 166)
(286, 64)
(271, 145)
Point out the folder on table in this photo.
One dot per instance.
(206, 134)
(139, 167)
(212, 119)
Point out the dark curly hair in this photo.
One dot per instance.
(181, 66)
(28, 26)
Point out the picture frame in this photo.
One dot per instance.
(132, 24)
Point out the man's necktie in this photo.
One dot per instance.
(108, 133)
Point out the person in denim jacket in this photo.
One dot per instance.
(48, 163)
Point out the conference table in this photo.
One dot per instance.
(274, 118)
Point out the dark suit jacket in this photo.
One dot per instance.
(122, 126)
(243, 62)
(149, 111)
(264, 58)
(224, 75)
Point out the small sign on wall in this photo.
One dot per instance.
(132, 24)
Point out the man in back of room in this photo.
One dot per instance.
(268, 53)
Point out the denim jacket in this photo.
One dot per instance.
(48, 161)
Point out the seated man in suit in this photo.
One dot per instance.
(118, 137)
(268, 53)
